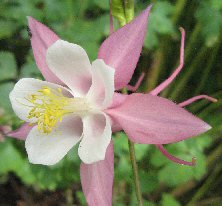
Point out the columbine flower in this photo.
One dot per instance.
(78, 103)
(64, 115)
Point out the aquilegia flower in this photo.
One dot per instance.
(77, 103)
(63, 116)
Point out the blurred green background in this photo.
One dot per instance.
(87, 23)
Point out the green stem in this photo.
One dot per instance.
(214, 156)
(129, 12)
(134, 167)
(135, 173)
(155, 70)
(117, 7)
(178, 11)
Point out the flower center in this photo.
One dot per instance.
(50, 106)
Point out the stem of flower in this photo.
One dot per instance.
(134, 167)
(129, 4)
(135, 173)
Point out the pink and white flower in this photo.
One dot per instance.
(63, 116)
(77, 103)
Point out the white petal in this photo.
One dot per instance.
(70, 63)
(102, 90)
(23, 89)
(50, 149)
(96, 138)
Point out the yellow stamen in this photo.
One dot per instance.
(50, 106)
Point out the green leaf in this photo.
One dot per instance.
(26, 174)
(121, 144)
(173, 174)
(61, 175)
(30, 69)
(11, 160)
(149, 181)
(141, 151)
(158, 159)
(210, 18)
(81, 197)
(5, 89)
(200, 143)
(159, 23)
(148, 203)
(7, 29)
(85, 33)
(8, 68)
(102, 4)
(66, 11)
(168, 199)
(200, 169)
(123, 165)
(216, 4)
(20, 9)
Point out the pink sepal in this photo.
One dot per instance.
(122, 49)
(97, 180)
(149, 119)
(42, 38)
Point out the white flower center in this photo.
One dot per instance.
(50, 106)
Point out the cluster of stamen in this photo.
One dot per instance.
(50, 106)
